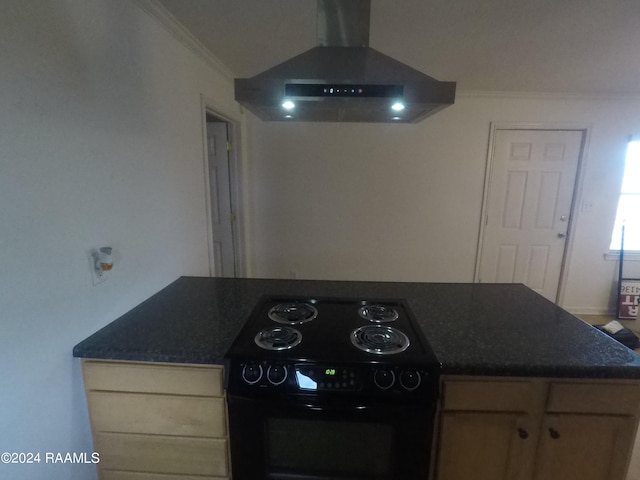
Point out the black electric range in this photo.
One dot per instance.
(331, 389)
(327, 346)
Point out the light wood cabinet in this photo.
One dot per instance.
(153, 421)
(536, 429)
(585, 447)
(481, 446)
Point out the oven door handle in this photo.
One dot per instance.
(332, 405)
(340, 407)
(346, 407)
(297, 402)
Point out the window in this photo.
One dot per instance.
(629, 203)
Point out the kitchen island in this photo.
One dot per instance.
(513, 364)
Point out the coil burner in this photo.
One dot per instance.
(278, 338)
(378, 313)
(295, 313)
(379, 339)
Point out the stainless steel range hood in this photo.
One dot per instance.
(343, 79)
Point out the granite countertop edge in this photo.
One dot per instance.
(195, 319)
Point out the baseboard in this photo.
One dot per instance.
(590, 311)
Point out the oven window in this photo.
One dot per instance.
(328, 449)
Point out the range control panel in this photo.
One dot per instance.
(267, 376)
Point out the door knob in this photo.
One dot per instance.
(553, 433)
(562, 235)
(523, 434)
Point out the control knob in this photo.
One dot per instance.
(252, 373)
(276, 374)
(410, 380)
(384, 379)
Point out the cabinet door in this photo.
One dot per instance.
(584, 447)
(484, 446)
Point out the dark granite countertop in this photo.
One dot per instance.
(477, 329)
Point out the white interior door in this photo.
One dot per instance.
(528, 207)
(222, 216)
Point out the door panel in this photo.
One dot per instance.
(528, 207)
(221, 211)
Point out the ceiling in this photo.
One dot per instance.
(548, 46)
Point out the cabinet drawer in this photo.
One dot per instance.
(491, 395)
(157, 414)
(120, 475)
(205, 380)
(607, 398)
(162, 454)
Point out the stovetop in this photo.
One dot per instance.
(324, 330)
(335, 344)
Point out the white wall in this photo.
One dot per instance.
(100, 144)
(403, 202)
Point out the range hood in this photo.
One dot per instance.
(343, 79)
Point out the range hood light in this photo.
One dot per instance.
(397, 106)
(288, 105)
(396, 118)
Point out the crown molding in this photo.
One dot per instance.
(160, 13)
(548, 95)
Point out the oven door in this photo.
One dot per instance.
(281, 439)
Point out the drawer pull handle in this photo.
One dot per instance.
(523, 434)
(553, 433)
